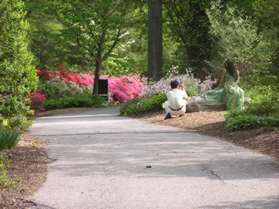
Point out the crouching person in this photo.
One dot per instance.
(177, 100)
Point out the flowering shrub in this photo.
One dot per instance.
(57, 87)
(66, 83)
(206, 85)
(125, 88)
(192, 85)
(38, 98)
(83, 80)
(67, 76)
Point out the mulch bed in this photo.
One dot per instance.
(265, 140)
(29, 167)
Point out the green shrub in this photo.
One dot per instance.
(237, 121)
(265, 99)
(57, 87)
(17, 72)
(51, 91)
(77, 100)
(8, 138)
(192, 88)
(263, 110)
(143, 105)
(5, 180)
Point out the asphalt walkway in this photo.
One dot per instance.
(102, 161)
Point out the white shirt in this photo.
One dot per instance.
(176, 98)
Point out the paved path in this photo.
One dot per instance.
(99, 162)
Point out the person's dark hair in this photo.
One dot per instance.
(230, 68)
(174, 84)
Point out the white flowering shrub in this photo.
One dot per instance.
(193, 86)
(57, 87)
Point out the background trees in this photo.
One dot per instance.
(92, 29)
(190, 26)
(237, 38)
(268, 23)
(188, 41)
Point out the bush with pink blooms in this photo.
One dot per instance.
(38, 98)
(62, 82)
(125, 88)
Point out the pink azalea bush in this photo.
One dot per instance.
(63, 87)
(37, 98)
(44, 73)
(121, 89)
(125, 88)
(81, 79)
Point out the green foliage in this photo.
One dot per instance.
(62, 34)
(191, 87)
(8, 138)
(17, 72)
(130, 55)
(265, 13)
(45, 33)
(189, 23)
(263, 110)
(20, 123)
(265, 101)
(143, 105)
(237, 121)
(238, 39)
(76, 100)
(51, 91)
(5, 180)
(245, 6)
(89, 29)
(56, 88)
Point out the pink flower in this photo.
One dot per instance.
(122, 89)
(125, 88)
(37, 98)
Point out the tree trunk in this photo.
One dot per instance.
(155, 43)
(98, 66)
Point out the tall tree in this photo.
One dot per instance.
(17, 72)
(92, 28)
(155, 48)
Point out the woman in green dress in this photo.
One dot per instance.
(228, 90)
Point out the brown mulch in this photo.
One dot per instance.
(28, 166)
(213, 124)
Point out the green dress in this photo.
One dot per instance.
(230, 93)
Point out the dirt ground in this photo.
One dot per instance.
(29, 168)
(213, 124)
